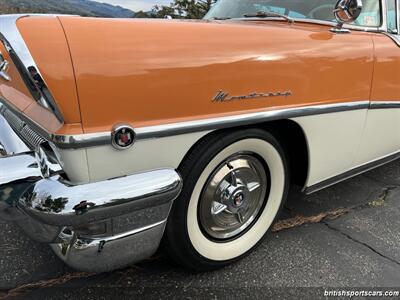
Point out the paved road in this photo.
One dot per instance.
(360, 248)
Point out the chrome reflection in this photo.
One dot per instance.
(105, 254)
(233, 196)
(55, 202)
(9, 141)
(4, 64)
(22, 58)
(19, 168)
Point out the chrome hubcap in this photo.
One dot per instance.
(233, 196)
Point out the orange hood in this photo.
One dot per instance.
(147, 72)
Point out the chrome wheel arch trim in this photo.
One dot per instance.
(25, 63)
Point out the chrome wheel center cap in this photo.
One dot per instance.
(238, 199)
(233, 196)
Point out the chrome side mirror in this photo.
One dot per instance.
(346, 11)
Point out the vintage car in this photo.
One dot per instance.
(117, 135)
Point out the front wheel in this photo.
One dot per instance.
(234, 186)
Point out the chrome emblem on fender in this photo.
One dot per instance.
(225, 97)
(4, 68)
(123, 137)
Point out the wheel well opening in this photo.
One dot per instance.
(294, 142)
(291, 137)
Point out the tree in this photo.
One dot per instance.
(162, 11)
(205, 6)
(188, 9)
(141, 14)
(193, 9)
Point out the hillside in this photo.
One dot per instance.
(76, 7)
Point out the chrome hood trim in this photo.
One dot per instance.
(25, 63)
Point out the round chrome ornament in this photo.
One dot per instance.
(233, 196)
(123, 137)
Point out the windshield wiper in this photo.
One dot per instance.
(268, 14)
(220, 18)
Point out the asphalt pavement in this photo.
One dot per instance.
(344, 237)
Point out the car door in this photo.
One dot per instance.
(381, 137)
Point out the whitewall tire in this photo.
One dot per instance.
(235, 183)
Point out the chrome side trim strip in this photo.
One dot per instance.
(158, 131)
(245, 119)
(384, 104)
(23, 60)
(81, 140)
(353, 172)
(150, 132)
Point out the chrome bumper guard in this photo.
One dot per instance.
(92, 227)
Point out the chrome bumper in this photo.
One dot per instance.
(92, 227)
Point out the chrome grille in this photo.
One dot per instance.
(31, 137)
(15, 122)
(22, 129)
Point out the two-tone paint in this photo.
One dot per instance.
(344, 91)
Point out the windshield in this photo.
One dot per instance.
(300, 9)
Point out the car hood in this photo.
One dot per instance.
(146, 72)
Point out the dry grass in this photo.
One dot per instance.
(44, 284)
(380, 201)
(377, 203)
(301, 220)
